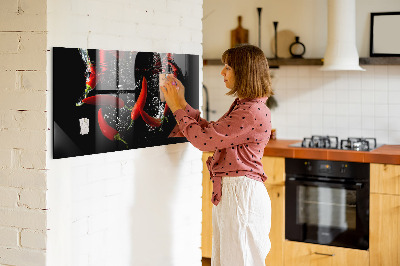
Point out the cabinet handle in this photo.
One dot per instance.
(324, 254)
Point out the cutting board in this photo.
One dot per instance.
(239, 35)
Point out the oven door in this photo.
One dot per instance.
(327, 213)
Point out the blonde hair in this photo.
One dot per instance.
(250, 66)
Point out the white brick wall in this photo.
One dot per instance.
(108, 209)
(22, 132)
(137, 207)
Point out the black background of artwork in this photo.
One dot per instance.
(69, 86)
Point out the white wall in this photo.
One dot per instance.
(311, 102)
(137, 207)
(343, 104)
(304, 18)
(22, 132)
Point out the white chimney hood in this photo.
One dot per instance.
(341, 51)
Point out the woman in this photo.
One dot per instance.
(242, 211)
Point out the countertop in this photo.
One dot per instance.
(389, 154)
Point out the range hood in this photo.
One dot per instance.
(341, 51)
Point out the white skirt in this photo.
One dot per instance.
(241, 223)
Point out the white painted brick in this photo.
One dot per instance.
(98, 222)
(114, 187)
(22, 22)
(190, 22)
(154, 32)
(5, 158)
(97, 40)
(8, 197)
(8, 6)
(23, 139)
(132, 43)
(9, 237)
(148, 6)
(33, 239)
(168, 19)
(35, 120)
(196, 37)
(7, 81)
(33, 159)
(15, 158)
(23, 178)
(33, 7)
(179, 7)
(106, 10)
(23, 218)
(136, 16)
(96, 173)
(17, 256)
(9, 42)
(31, 80)
(196, 10)
(33, 199)
(23, 100)
(31, 55)
(80, 227)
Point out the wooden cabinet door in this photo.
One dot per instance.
(277, 233)
(305, 254)
(384, 236)
(206, 226)
(385, 178)
(274, 168)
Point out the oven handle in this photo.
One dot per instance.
(357, 185)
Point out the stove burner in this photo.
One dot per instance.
(358, 144)
(328, 142)
(332, 142)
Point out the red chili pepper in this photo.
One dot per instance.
(166, 109)
(108, 131)
(152, 121)
(111, 100)
(91, 81)
(140, 101)
(174, 69)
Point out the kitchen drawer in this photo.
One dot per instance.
(305, 254)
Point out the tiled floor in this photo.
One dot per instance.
(206, 261)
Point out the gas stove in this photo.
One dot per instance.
(332, 142)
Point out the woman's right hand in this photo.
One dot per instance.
(181, 91)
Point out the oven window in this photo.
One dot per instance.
(327, 207)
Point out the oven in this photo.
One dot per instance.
(327, 202)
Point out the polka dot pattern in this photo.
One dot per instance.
(238, 139)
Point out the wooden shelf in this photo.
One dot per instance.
(380, 61)
(273, 63)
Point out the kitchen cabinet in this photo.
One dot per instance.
(384, 248)
(385, 178)
(385, 214)
(274, 168)
(206, 225)
(305, 254)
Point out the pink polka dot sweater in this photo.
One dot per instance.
(238, 139)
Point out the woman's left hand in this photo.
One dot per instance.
(172, 97)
